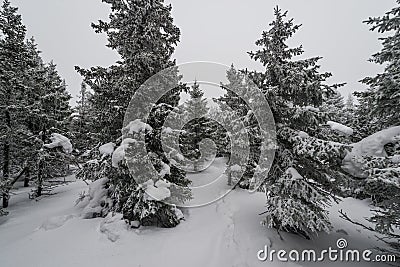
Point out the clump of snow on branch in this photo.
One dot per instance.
(107, 149)
(119, 153)
(236, 168)
(340, 128)
(303, 134)
(167, 130)
(157, 191)
(59, 140)
(395, 159)
(294, 173)
(371, 146)
(165, 170)
(136, 126)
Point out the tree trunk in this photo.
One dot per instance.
(6, 197)
(26, 179)
(229, 175)
(6, 160)
(41, 167)
(6, 156)
(40, 179)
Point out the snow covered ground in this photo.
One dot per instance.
(226, 233)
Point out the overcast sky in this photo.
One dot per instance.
(215, 30)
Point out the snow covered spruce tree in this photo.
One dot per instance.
(34, 104)
(333, 106)
(238, 80)
(375, 158)
(81, 121)
(378, 105)
(364, 123)
(48, 120)
(339, 118)
(196, 129)
(378, 168)
(143, 34)
(378, 108)
(384, 87)
(305, 167)
(46, 114)
(12, 71)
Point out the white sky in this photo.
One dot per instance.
(215, 30)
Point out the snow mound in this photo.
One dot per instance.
(158, 191)
(59, 140)
(107, 149)
(373, 146)
(119, 153)
(113, 226)
(55, 222)
(96, 202)
(137, 126)
(340, 128)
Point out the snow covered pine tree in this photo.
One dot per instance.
(34, 101)
(385, 86)
(239, 81)
(376, 158)
(143, 34)
(12, 71)
(305, 167)
(196, 129)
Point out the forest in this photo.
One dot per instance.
(145, 162)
